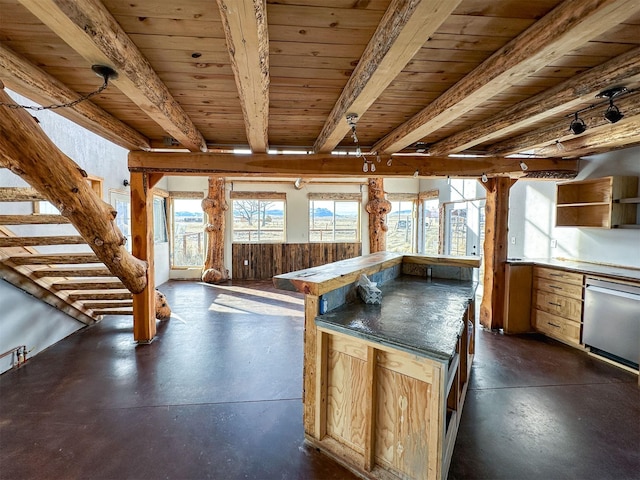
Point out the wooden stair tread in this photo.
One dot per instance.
(20, 194)
(44, 240)
(114, 311)
(90, 295)
(102, 304)
(32, 219)
(54, 258)
(72, 272)
(88, 284)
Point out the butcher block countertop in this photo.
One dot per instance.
(418, 316)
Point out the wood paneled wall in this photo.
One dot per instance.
(269, 259)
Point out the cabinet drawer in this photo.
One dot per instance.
(557, 287)
(557, 327)
(558, 275)
(566, 307)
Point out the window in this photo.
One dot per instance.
(188, 232)
(401, 235)
(429, 214)
(122, 204)
(334, 221)
(159, 220)
(258, 220)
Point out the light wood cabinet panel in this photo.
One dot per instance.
(557, 327)
(554, 304)
(559, 288)
(559, 275)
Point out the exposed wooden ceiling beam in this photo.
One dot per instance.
(559, 131)
(403, 30)
(245, 29)
(565, 28)
(30, 81)
(606, 138)
(89, 28)
(623, 69)
(327, 165)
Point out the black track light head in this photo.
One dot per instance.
(612, 114)
(577, 125)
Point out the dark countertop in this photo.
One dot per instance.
(422, 317)
(612, 271)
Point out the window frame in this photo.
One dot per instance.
(177, 195)
(259, 197)
(336, 198)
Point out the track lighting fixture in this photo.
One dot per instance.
(577, 125)
(524, 166)
(612, 114)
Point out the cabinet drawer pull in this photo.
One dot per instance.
(555, 286)
(555, 304)
(553, 324)
(556, 275)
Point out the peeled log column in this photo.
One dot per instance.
(214, 206)
(377, 207)
(29, 153)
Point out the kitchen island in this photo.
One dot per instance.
(384, 385)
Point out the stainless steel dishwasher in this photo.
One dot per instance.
(612, 320)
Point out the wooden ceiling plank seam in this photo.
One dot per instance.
(247, 37)
(566, 95)
(89, 28)
(565, 28)
(403, 30)
(28, 80)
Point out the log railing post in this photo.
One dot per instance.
(495, 251)
(144, 310)
(377, 207)
(215, 207)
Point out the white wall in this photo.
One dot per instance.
(532, 218)
(31, 322)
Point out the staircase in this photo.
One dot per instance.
(44, 255)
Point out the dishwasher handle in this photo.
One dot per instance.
(616, 293)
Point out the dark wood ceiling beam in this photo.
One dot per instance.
(30, 81)
(327, 165)
(562, 30)
(403, 30)
(623, 69)
(89, 28)
(547, 137)
(247, 36)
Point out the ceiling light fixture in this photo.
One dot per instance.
(107, 73)
(484, 178)
(524, 166)
(577, 125)
(613, 114)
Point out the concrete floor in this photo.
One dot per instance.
(218, 395)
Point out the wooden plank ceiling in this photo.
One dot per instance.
(430, 76)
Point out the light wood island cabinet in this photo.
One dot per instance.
(384, 385)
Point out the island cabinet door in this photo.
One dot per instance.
(379, 410)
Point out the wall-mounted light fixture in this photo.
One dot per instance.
(125, 182)
(484, 178)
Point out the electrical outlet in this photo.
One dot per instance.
(554, 243)
(246, 263)
(513, 240)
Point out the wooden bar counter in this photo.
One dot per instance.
(384, 384)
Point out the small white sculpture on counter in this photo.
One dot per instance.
(368, 290)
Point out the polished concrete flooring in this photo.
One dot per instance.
(218, 395)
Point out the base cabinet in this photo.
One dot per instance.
(557, 304)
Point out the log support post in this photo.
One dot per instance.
(215, 207)
(144, 308)
(377, 207)
(495, 251)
